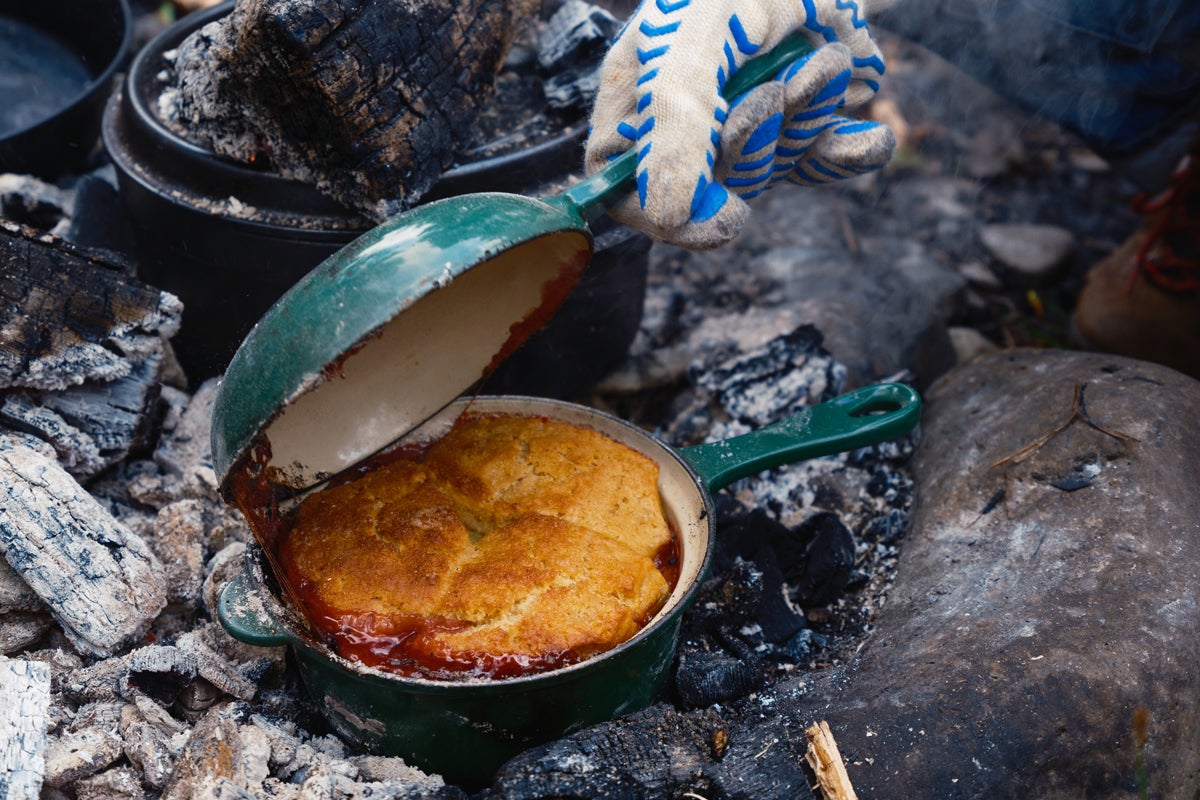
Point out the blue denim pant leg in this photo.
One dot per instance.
(1124, 74)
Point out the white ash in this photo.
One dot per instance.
(153, 707)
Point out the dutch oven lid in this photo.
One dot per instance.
(390, 329)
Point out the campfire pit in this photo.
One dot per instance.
(140, 691)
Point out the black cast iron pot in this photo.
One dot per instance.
(57, 62)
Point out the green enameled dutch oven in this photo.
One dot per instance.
(377, 344)
(466, 729)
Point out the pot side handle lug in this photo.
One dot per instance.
(243, 614)
(856, 419)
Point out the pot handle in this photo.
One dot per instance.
(244, 615)
(856, 419)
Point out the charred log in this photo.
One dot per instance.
(99, 581)
(365, 100)
(72, 314)
(661, 752)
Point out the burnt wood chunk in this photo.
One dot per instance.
(24, 703)
(70, 314)
(364, 100)
(100, 581)
(660, 752)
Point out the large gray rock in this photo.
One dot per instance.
(1046, 593)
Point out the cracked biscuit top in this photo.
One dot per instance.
(512, 545)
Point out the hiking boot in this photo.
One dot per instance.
(1143, 301)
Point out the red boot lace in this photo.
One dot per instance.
(1170, 254)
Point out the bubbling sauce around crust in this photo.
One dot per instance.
(511, 546)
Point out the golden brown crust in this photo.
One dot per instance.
(515, 538)
(498, 468)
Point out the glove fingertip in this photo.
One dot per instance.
(708, 200)
(723, 226)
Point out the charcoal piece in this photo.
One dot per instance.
(660, 752)
(118, 783)
(34, 202)
(99, 219)
(76, 451)
(146, 730)
(786, 374)
(93, 426)
(364, 100)
(570, 50)
(769, 545)
(220, 751)
(117, 416)
(20, 630)
(80, 754)
(704, 677)
(179, 541)
(800, 648)
(717, 659)
(887, 529)
(160, 672)
(828, 560)
(577, 33)
(15, 594)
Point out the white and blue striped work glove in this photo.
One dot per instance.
(699, 157)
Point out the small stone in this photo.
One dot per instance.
(1033, 250)
(969, 344)
(978, 274)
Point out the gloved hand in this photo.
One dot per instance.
(699, 157)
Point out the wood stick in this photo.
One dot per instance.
(826, 762)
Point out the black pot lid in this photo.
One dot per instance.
(391, 328)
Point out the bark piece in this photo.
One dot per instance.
(24, 701)
(101, 582)
(71, 314)
(364, 100)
